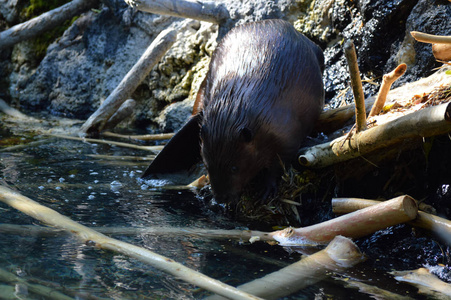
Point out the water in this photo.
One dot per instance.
(70, 177)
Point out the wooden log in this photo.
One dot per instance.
(426, 122)
(94, 238)
(354, 225)
(387, 81)
(44, 22)
(207, 11)
(438, 225)
(356, 84)
(339, 255)
(130, 82)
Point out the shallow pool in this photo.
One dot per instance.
(99, 185)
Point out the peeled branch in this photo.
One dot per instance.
(91, 237)
(426, 122)
(441, 45)
(426, 282)
(354, 225)
(438, 225)
(44, 22)
(339, 255)
(387, 82)
(208, 11)
(157, 49)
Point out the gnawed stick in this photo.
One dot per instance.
(387, 82)
(430, 38)
(44, 22)
(441, 45)
(130, 82)
(354, 225)
(113, 143)
(146, 137)
(207, 11)
(44, 291)
(440, 226)
(92, 237)
(356, 84)
(123, 112)
(339, 255)
(5, 108)
(426, 282)
(240, 235)
(426, 122)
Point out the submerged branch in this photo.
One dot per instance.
(92, 237)
(354, 225)
(113, 143)
(426, 282)
(339, 255)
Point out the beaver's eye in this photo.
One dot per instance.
(234, 169)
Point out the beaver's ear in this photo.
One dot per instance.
(246, 134)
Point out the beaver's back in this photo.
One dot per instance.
(261, 97)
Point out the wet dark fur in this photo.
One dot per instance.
(261, 97)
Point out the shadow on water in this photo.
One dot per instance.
(95, 191)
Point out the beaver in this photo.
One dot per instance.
(260, 98)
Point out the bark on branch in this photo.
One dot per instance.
(44, 22)
(427, 122)
(356, 84)
(87, 235)
(127, 86)
(204, 11)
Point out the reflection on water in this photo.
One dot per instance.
(69, 177)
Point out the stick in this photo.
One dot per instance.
(119, 144)
(92, 237)
(431, 39)
(440, 226)
(425, 281)
(354, 225)
(203, 11)
(356, 83)
(147, 137)
(387, 82)
(46, 292)
(130, 82)
(44, 22)
(123, 112)
(339, 255)
(427, 122)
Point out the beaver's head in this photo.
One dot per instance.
(232, 159)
